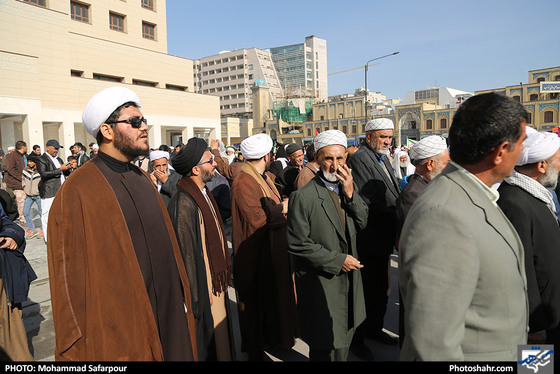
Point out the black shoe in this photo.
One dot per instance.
(362, 352)
(384, 338)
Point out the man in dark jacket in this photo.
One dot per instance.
(526, 201)
(51, 168)
(15, 163)
(15, 277)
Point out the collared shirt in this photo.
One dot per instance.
(57, 165)
(492, 193)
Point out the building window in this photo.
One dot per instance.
(148, 31)
(36, 2)
(76, 73)
(429, 124)
(548, 116)
(109, 78)
(443, 123)
(529, 117)
(79, 11)
(116, 22)
(174, 87)
(534, 97)
(139, 82)
(148, 4)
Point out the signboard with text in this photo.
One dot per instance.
(550, 87)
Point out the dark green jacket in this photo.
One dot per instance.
(330, 301)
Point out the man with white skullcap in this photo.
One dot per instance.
(261, 263)
(379, 188)
(114, 263)
(429, 157)
(164, 177)
(526, 199)
(323, 219)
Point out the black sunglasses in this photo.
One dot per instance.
(135, 122)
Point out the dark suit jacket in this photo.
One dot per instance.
(540, 235)
(380, 192)
(416, 184)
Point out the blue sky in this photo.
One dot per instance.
(467, 45)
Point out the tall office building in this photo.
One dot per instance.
(303, 67)
(230, 76)
(56, 54)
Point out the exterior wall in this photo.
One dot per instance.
(543, 107)
(230, 75)
(50, 66)
(303, 65)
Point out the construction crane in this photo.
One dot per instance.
(356, 68)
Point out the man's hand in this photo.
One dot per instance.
(351, 263)
(160, 176)
(65, 166)
(8, 243)
(344, 175)
(214, 144)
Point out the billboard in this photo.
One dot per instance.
(550, 87)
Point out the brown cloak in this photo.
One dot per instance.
(101, 309)
(262, 271)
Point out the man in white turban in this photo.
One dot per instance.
(526, 199)
(114, 263)
(429, 157)
(379, 187)
(261, 263)
(163, 176)
(324, 217)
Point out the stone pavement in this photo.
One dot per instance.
(37, 315)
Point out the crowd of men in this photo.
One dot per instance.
(143, 270)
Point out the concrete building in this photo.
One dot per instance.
(540, 97)
(229, 75)
(56, 54)
(303, 65)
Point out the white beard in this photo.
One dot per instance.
(330, 177)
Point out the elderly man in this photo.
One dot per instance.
(287, 177)
(118, 282)
(429, 157)
(164, 177)
(461, 270)
(323, 218)
(379, 188)
(52, 170)
(202, 238)
(262, 272)
(527, 202)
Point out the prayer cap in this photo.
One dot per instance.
(156, 155)
(103, 104)
(189, 156)
(539, 146)
(330, 137)
(256, 146)
(379, 124)
(429, 146)
(292, 147)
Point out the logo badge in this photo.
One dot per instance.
(535, 359)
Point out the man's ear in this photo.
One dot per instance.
(498, 153)
(107, 131)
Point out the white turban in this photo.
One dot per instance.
(379, 124)
(329, 137)
(429, 146)
(539, 146)
(156, 155)
(256, 146)
(103, 104)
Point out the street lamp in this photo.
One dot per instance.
(365, 78)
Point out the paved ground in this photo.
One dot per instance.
(37, 315)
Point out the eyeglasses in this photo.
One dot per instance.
(207, 161)
(135, 122)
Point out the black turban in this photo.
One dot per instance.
(189, 156)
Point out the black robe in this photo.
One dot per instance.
(540, 234)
